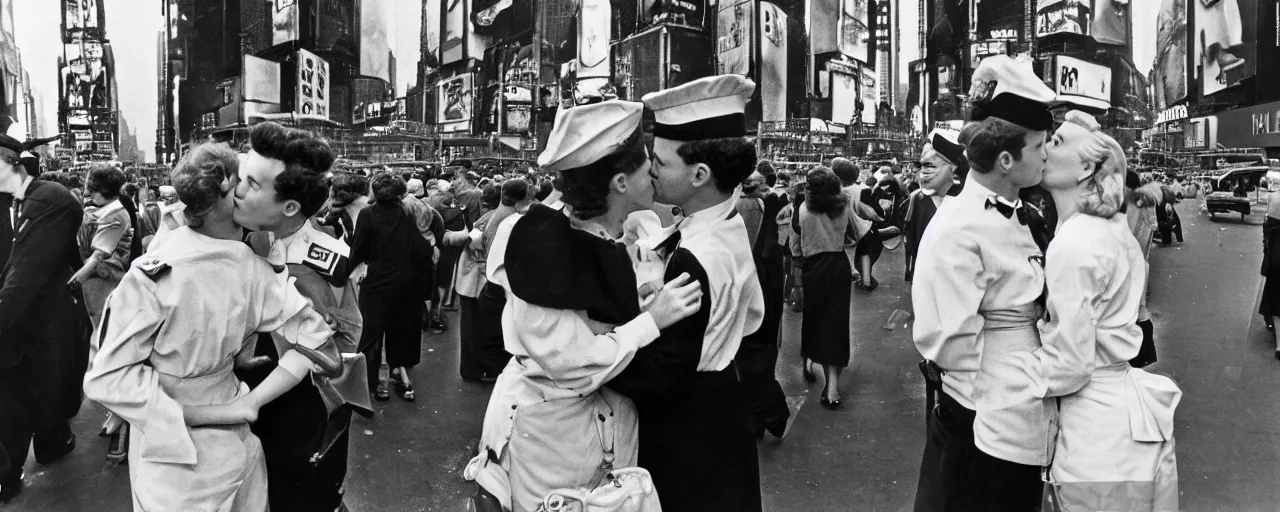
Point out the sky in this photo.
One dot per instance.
(132, 26)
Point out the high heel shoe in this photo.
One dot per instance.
(808, 375)
(828, 403)
(404, 388)
(1271, 324)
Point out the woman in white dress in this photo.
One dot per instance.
(1115, 448)
(171, 332)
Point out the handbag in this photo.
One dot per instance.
(612, 490)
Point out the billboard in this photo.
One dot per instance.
(691, 13)
(1111, 22)
(773, 63)
(1062, 17)
(456, 101)
(1250, 127)
(284, 21)
(455, 28)
(854, 34)
(735, 23)
(375, 43)
(336, 25)
(870, 93)
(431, 33)
(81, 17)
(1082, 83)
(844, 92)
(313, 85)
(1001, 19)
(261, 80)
(1225, 48)
(1170, 67)
(594, 65)
(85, 83)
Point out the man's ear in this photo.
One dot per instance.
(292, 208)
(701, 176)
(1005, 160)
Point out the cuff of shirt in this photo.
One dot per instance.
(642, 330)
(296, 363)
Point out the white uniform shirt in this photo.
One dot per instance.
(737, 303)
(975, 265)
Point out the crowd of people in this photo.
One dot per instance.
(624, 299)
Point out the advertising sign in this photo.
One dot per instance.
(1000, 19)
(870, 95)
(854, 33)
(822, 36)
(1170, 67)
(844, 92)
(735, 24)
(1202, 133)
(313, 85)
(375, 45)
(1252, 127)
(773, 63)
(1225, 48)
(517, 119)
(81, 16)
(1062, 17)
(690, 13)
(261, 80)
(1082, 83)
(284, 21)
(455, 27)
(594, 23)
(431, 33)
(456, 101)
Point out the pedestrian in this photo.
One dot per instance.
(44, 328)
(940, 160)
(827, 220)
(306, 432)
(392, 293)
(979, 280)
(150, 371)
(1140, 212)
(572, 317)
(1114, 432)
(106, 240)
(1269, 307)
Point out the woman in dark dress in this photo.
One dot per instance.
(825, 219)
(1269, 308)
(387, 238)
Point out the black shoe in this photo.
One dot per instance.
(59, 453)
(438, 326)
(829, 404)
(403, 388)
(1271, 324)
(381, 394)
(778, 429)
(10, 488)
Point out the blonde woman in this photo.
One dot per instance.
(1115, 447)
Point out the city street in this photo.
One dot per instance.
(865, 456)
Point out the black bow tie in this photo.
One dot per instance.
(1008, 209)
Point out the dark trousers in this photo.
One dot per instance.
(483, 353)
(305, 486)
(392, 316)
(957, 476)
(1169, 223)
(25, 422)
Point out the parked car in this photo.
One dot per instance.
(1234, 191)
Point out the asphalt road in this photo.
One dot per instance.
(865, 456)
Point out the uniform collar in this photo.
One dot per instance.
(976, 190)
(698, 221)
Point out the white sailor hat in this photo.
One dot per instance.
(1009, 89)
(584, 134)
(946, 142)
(707, 108)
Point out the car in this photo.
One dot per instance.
(1231, 191)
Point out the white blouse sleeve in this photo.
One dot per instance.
(946, 294)
(282, 309)
(1065, 362)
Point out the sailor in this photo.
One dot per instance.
(976, 305)
(697, 436)
(941, 160)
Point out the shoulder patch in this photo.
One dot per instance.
(153, 268)
(322, 259)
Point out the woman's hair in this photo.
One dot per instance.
(105, 179)
(823, 192)
(586, 189)
(985, 140)
(198, 179)
(1104, 191)
(388, 188)
(765, 168)
(346, 187)
(130, 189)
(544, 189)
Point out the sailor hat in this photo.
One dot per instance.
(585, 134)
(1010, 90)
(707, 108)
(946, 143)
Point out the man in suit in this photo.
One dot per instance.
(44, 327)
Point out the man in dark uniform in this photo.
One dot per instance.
(304, 433)
(44, 327)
